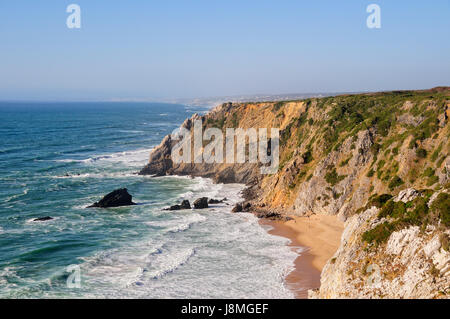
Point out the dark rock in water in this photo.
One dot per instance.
(174, 207)
(216, 201)
(117, 198)
(237, 208)
(185, 204)
(201, 203)
(246, 207)
(42, 219)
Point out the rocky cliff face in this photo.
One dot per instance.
(410, 262)
(344, 156)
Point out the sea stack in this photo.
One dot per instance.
(117, 198)
(201, 203)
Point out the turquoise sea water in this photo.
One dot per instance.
(57, 158)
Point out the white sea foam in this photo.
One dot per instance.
(165, 263)
(179, 224)
(6, 274)
(13, 197)
(97, 175)
(32, 221)
(197, 254)
(130, 158)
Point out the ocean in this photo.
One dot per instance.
(58, 158)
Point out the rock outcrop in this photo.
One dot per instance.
(216, 201)
(412, 262)
(117, 198)
(184, 205)
(201, 203)
(43, 219)
(237, 208)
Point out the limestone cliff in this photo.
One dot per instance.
(388, 256)
(345, 156)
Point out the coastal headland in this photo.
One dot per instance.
(362, 183)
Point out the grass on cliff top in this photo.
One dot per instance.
(350, 114)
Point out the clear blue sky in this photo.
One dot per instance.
(196, 48)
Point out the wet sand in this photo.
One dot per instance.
(316, 238)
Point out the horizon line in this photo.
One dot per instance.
(230, 97)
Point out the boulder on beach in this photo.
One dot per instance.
(201, 203)
(117, 198)
(272, 216)
(42, 219)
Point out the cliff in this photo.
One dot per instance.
(358, 157)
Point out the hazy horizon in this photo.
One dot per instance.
(155, 51)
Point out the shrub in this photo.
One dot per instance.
(307, 157)
(345, 162)
(333, 178)
(412, 144)
(395, 151)
(441, 205)
(395, 182)
(370, 173)
(436, 153)
(381, 164)
(432, 180)
(393, 209)
(234, 121)
(375, 148)
(428, 172)
(421, 153)
(277, 106)
(418, 215)
(380, 200)
(379, 234)
(441, 160)
(445, 241)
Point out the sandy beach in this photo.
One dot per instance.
(316, 238)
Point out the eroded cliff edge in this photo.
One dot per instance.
(352, 156)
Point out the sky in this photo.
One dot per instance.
(193, 48)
